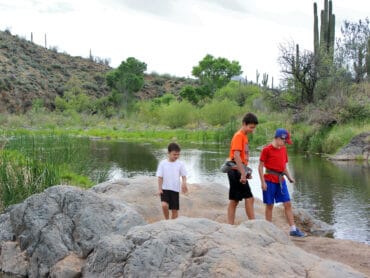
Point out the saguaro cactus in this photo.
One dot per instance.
(324, 42)
(368, 59)
(265, 79)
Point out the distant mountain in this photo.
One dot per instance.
(29, 72)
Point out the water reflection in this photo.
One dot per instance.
(337, 193)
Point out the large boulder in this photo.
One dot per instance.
(63, 220)
(198, 247)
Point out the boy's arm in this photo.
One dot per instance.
(260, 172)
(239, 163)
(290, 178)
(160, 183)
(184, 187)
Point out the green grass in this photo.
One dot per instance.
(29, 164)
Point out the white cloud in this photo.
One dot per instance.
(172, 36)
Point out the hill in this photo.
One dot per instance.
(29, 72)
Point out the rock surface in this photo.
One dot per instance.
(358, 148)
(116, 229)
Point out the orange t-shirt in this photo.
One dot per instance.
(240, 143)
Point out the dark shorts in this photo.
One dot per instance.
(238, 191)
(172, 198)
(275, 193)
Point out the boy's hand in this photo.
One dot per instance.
(243, 179)
(184, 188)
(160, 192)
(264, 186)
(291, 180)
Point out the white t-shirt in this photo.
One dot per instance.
(171, 173)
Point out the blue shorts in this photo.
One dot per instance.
(275, 194)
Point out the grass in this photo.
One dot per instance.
(29, 164)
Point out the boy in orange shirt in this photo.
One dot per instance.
(239, 186)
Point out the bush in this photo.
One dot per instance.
(219, 112)
(178, 114)
(148, 111)
(239, 93)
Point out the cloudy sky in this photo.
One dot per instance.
(172, 36)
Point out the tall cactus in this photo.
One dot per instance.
(324, 42)
(265, 79)
(316, 43)
(368, 59)
(257, 76)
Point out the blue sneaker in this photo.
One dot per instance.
(297, 233)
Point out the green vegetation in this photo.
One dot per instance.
(28, 166)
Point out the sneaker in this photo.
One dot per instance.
(297, 233)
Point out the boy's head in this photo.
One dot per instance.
(284, 135)
(249, 122)
(173, 151)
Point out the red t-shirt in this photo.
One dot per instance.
(240, 143)
(274, 159)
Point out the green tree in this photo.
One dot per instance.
(300, 69)
(214, 73)
(194, 94)
(353, 47)
(126, 80)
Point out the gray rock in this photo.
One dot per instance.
(357, 148)
(312, 225)
(197, 247)
(66, 219)
(70, 232)
(6, 231)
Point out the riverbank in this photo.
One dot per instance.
(307, 138)
(115, 229)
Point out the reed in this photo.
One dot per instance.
(30, 164)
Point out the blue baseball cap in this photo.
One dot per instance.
(283, 134)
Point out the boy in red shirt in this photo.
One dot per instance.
(239, 153)
(274, 158)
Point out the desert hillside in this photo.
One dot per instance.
(30, 72)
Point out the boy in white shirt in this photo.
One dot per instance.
(169, 172)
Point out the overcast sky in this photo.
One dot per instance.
(172, 36)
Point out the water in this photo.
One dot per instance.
(338, 194)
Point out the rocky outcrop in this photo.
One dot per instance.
(63, 220)
(198, 247)
(358, 148)
(103, 232)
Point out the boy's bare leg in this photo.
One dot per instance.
(249, 208)
(165, 210)
(268, 212)
(175, 213)
(289, 213)
(231, 211)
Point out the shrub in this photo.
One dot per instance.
(239, 93)
(178, 114)
(219, 112)
(148, 111)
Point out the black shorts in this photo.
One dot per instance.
(238, 191)
(172, 198)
